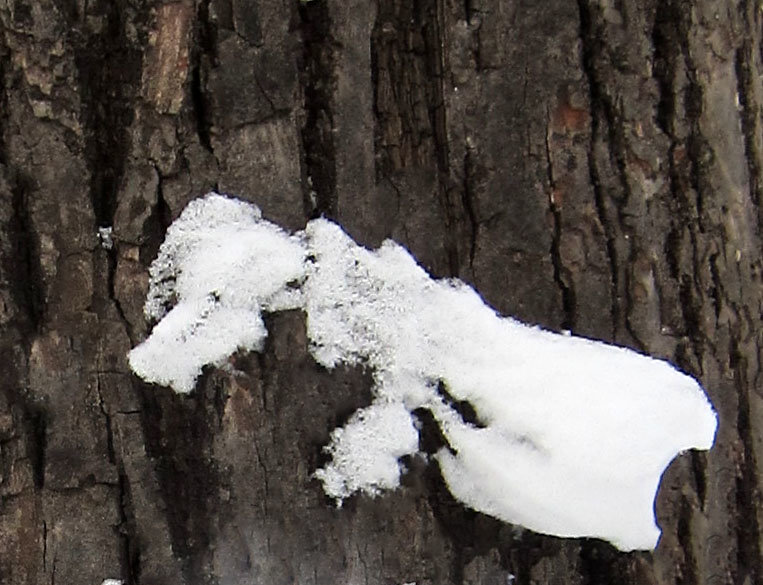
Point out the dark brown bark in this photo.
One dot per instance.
(593, 166)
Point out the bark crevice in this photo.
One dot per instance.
(566, 288)
(750, 117)
(749, 561)
(204, 56)
(109, 74)
(318, 150)
(28, 287)
(689, 573)
(601, 126)
(178, 435)
(131, 552)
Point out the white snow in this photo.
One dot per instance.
(105, 236)
(574, 434)
(220, 265)
(365, 452)
(112, 582)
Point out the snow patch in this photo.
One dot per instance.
(219, 267)
(366, 451)
(572, 435)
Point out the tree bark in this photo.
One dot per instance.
(590, 165)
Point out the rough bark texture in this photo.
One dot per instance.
(591, 165)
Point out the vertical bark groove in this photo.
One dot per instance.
(747, 489)
(560, 277)
(600, 128)
(203, 56)
(748, 59)
(24, 265)
(108, 70)
(130, 554)
(317, 134)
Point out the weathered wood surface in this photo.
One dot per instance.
(593, 166)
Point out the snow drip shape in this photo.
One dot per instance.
(573, 434)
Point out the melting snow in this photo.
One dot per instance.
(573, 434)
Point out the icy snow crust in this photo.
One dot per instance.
(574, 434)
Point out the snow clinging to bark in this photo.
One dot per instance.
(571, 435)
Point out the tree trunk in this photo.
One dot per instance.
(591, 165)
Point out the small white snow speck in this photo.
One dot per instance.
(105, 236)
